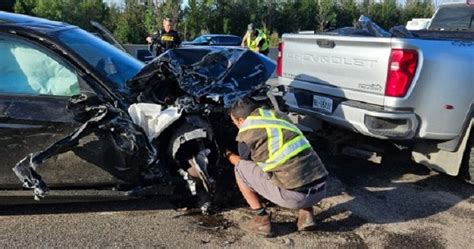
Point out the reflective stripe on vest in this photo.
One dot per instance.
(253, 44)
(279, 152)
(274, 135)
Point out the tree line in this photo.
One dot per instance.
(135, 19)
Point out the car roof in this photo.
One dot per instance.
(39, 24)
(224, 35)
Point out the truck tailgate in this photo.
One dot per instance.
(351, 64)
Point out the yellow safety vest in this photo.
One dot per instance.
(279, 152)
(253, 44)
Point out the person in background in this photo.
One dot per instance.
(277, 162)
(256, 40)
(164, 39)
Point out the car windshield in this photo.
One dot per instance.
(202, 39)
(111, 62)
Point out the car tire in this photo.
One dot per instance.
(467, 166)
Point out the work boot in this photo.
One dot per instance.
(305, 219)
(260, 225)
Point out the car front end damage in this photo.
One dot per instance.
(176, 122)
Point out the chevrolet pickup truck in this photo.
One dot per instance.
(416, 91)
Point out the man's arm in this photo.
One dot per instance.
(233, 158)
(244, 154)
(152, 38)
(244, 39)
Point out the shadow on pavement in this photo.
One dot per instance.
(388, 193)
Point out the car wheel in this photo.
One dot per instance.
(467, 166)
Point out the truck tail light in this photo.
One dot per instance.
(401, 70)
(279, 69)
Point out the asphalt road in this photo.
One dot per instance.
(368, 206)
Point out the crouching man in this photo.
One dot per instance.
(277, 162)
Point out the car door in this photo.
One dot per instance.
(35, 85)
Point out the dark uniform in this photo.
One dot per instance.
(163, 41)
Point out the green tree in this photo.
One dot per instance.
(289, 19)
(348, 12)
(150, 18)
(197, 17)
(130, 26)
(25, 6)
(111, 20)
(327, 14)
(390, 15)
(417, 9)
(51, 9)
(76, 12)
(232, 17)
(170, 9)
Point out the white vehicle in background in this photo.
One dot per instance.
(415, 91)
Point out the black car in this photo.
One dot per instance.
(46, 64)
(215, 40)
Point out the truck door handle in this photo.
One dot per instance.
(325, 43)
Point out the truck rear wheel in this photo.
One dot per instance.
(468, 160)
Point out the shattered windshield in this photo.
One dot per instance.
(110, 62)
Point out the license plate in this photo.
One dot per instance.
(322, 103)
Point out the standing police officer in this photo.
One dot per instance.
(277, 162)
(165, 39)
(256, 40)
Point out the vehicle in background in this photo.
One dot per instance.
(215, 40)
(415, 91)
(418, 23)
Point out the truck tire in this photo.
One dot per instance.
(468, 161)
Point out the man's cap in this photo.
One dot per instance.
(250, 27)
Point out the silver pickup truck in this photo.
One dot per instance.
(415, 91)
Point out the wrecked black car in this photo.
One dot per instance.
(77, 113)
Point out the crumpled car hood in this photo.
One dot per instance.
(212, 72)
